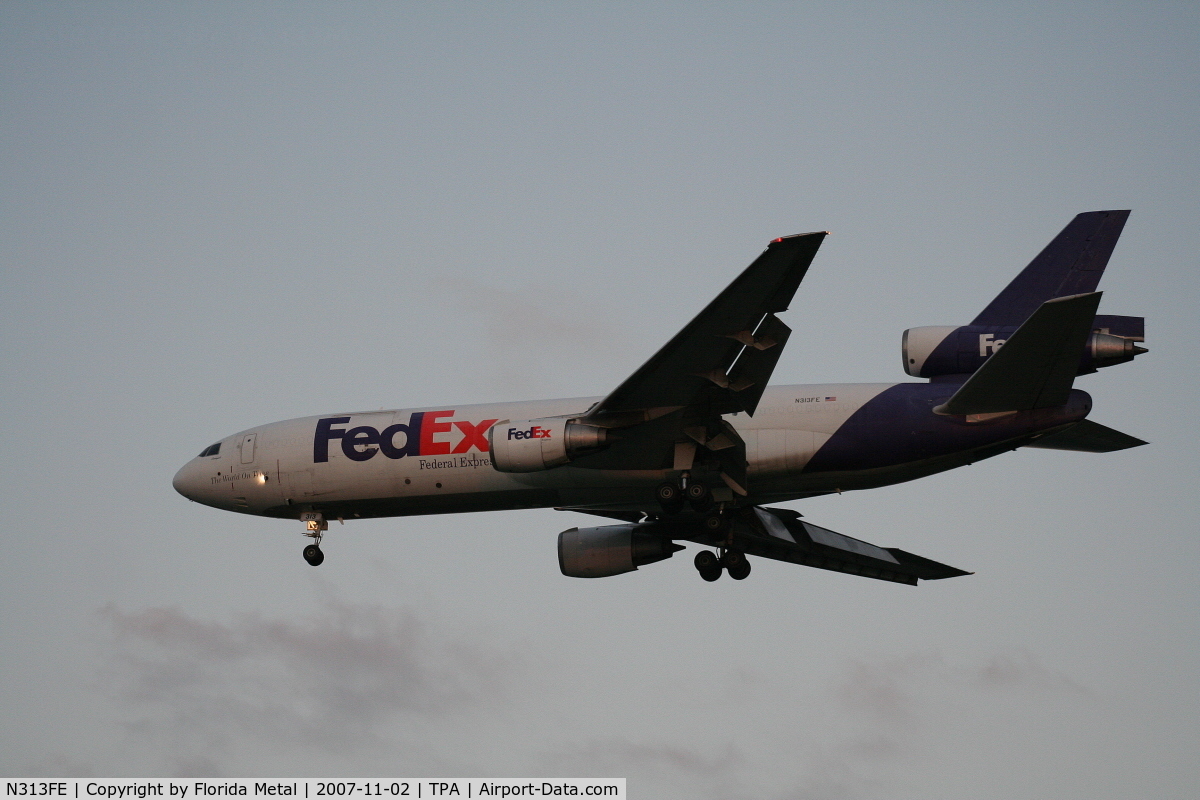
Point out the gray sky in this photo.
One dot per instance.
(219, 215)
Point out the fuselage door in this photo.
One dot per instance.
(246, 445)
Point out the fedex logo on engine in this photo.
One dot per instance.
(536, 432)
(422, 435)
(988, 343)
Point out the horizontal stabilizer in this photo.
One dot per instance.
(1088, 437)
(1036, 366)
(783, 536)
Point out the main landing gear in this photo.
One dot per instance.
(669, 497)
(672, 496)
(316, 527)
(715, 525)
(710, 566)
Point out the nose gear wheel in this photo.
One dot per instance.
(314, 555)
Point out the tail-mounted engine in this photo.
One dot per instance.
(611, 550)
(949, 350)
(536, 444)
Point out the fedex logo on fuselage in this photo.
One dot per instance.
(421, 437)
(536, 432)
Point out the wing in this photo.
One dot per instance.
(779, 533)
(724, 357)
(667, 414)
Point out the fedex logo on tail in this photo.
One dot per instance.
(422, 435)
(536, 432)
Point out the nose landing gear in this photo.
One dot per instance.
(316, 526)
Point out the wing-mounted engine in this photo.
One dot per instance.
(611, 549)
(533, 445)
(934, 351)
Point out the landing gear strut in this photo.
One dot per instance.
(316, 526)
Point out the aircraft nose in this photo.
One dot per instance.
(185, 481)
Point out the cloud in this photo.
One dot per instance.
(344, 681)
(894, 715)
(367, 689)
(59, 765)
(899, 689)
(611, 756)
(544, 320)
(1020, 670)
(708, 774)
(511, 319)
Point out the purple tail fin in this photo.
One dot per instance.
(1071, 264)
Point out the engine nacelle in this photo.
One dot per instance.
(532, 445)
(958, 350)
(610, 550)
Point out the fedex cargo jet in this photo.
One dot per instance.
(694, 446)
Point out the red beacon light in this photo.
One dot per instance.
(793, 236)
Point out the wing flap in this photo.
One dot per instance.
(752, 370)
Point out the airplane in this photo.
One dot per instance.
(695, 447)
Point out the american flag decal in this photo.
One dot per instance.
(830, 399)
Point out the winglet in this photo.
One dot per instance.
(1036, 366)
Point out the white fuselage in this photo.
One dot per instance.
(436, 460)
(278, 469)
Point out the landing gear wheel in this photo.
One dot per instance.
(699, 496)
(715, 523)
(708, 565)
(669, 497)
(313, 555)
(736, 565)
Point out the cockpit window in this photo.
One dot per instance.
(211, 450)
